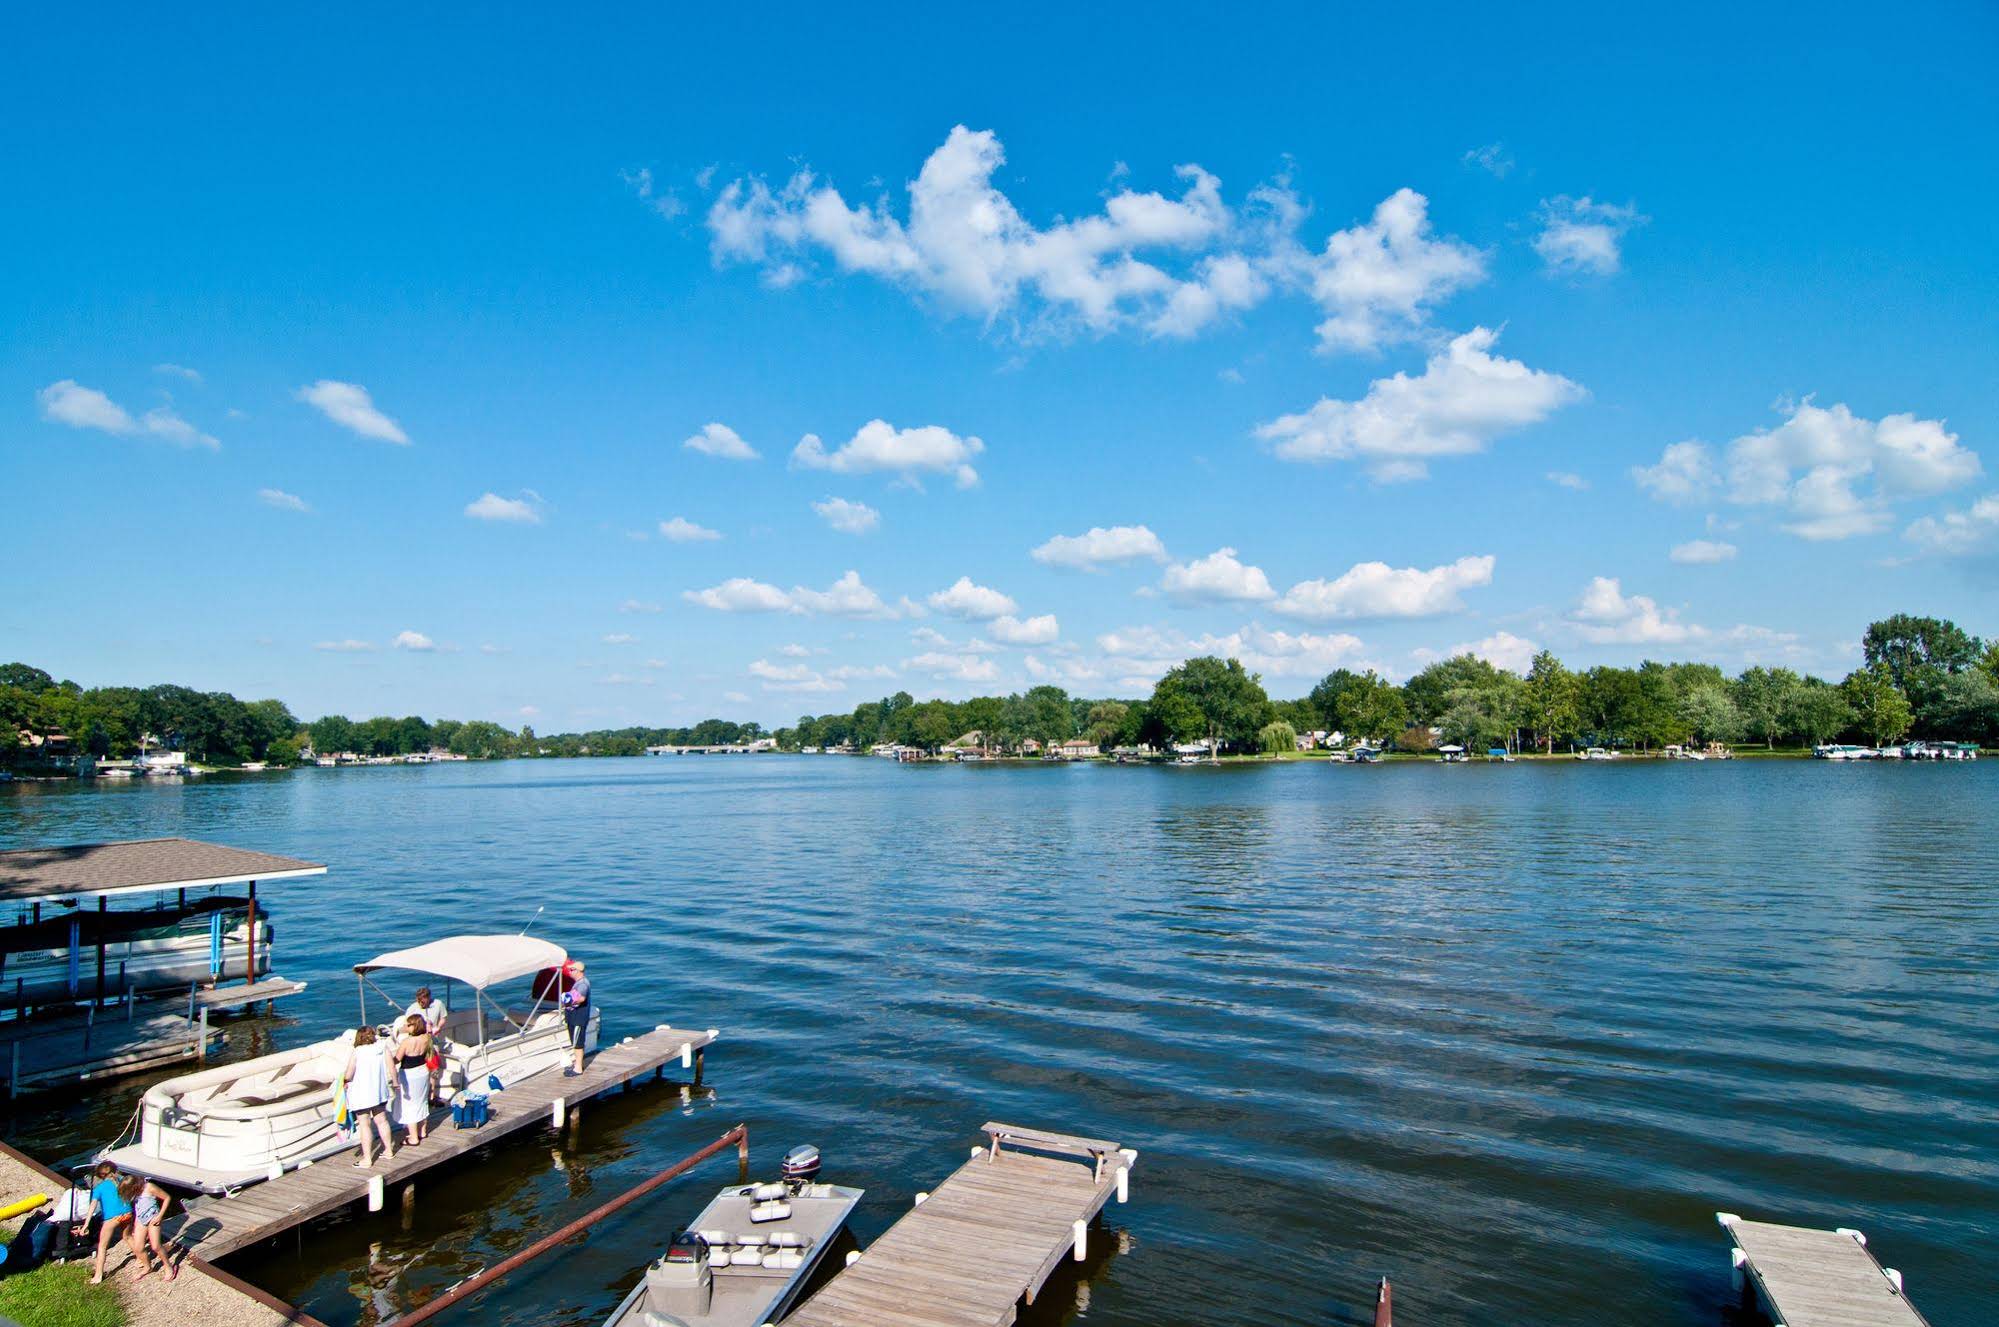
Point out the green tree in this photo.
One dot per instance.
(1229, 702)
(1428, 693)
(1369, 706)
(1879, 707)
(1764, 697)
(1324, 698)
(1105, 722)
(1276, 738)
(1817, 712)
(1710, 713)
(1910, 646)
(1552, 700)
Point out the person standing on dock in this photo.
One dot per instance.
(367, 1077)
(412, 1059)
(576, 1015)
(433, 1013)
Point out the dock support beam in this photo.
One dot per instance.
(1082, 1233)
(103, 920)
(250, 967)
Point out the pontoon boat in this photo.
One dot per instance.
(235, 1124)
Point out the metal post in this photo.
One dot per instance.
(103, 920)
(250, 968)
(361, 984)
(201, 1047)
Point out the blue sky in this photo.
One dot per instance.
(353, 360)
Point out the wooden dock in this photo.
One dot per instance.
(1817, 1278)
(988, 1238)
(215, 1227)
(131, 1036)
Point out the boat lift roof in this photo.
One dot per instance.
(477, 960)
(29, 875)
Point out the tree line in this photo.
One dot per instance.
(1919, 677)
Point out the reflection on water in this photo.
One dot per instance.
(1509, 1034)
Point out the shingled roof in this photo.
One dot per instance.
(115, 868)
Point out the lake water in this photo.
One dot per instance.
(1508, 1034)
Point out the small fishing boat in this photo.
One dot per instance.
(747, 1256)
(1596, 753)
(221, 1128)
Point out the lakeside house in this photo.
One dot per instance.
(1079, 748)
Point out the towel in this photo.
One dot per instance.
(343, 1118)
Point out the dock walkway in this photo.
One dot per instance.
(128, 1037)
(989, 1237)
(215, 1227)
(1818, 1278)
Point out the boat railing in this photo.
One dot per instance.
(740, 1136)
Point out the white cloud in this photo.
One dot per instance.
(348, 646)
(1699, 552)
(1833, 473)
(861, 673)
(791, 677)
(69, 402)
(846, 597)
(349, 405)
(1138, 656)
(1216, 578)
(664, 202)
(880, 446)
(797, 651)
(1568, 479)
(1492, 158)
(416, 641)
(1376, 280)
(620, 638)
(1377, 590)
(967, 246)
(1010, 630)
(1957, 531)
(492, 507)
(1502, 649)
(1580, 235)
(1463, 399)
(641, 606)
(954, 667)
(1607, 616)
(848, 517)
(974, 603)
(1101, 546)
(624, 680)
(179, 371)
(680, 530)
(1685, 473)
(720, 440)
(283, 501)
(490, 648)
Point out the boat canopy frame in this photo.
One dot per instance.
(479, 961)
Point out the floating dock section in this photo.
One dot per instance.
(215, 1227)
(988, 1238)
(1817, 1278)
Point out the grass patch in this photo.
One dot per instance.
(60, 1296)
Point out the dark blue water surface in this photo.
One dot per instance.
(1508, 1034)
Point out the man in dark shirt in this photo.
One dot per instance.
(576, 1015)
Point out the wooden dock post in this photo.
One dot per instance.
(201, 1039)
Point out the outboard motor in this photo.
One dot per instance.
(680, 1283)
(801, 1165)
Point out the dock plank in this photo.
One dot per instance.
(986, 1238)
(215, 1227)
(1818, 1278)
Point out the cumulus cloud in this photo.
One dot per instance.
(964, 667)
(973, 603)
(1138, 656)
(846, 597)
(349, 405)
(1700, 552)
(1957, 531)
(1502, 649)
(881, 447)
(179, 371)
(283, 501)
(1101, 546)
(492, 507)
(348, 646)
(69, 402)
(1833, 473)
(1606, 615)
(663, 202)
(848, 517)
(1010, 630)
(1377, 590)
(680, 530)
(1217, 578)
(791, 677)
(1377, 280)
(1463, 399)
(1580, 235)
(415, 641)
(720, 440)
(861, 672)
